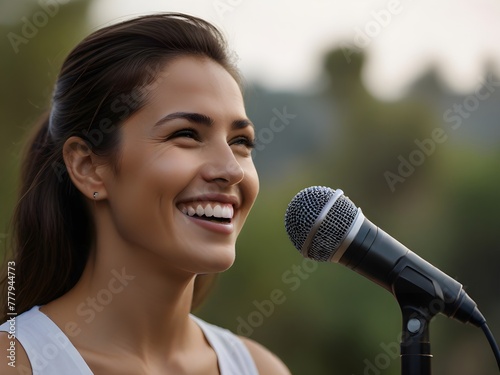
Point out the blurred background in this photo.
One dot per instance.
(395, 102)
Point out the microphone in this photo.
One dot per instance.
(324, 225)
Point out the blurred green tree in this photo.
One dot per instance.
(37, 37)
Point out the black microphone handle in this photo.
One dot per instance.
(412, 280)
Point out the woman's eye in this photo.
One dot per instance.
(184, 133)
(245, 141)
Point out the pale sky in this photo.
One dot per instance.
(280, 43)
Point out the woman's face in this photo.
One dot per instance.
(186, 179)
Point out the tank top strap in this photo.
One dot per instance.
(49, 350)
(232, 354)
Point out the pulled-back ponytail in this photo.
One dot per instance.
(51, 225)
(102, 82)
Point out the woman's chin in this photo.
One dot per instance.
(222, 261)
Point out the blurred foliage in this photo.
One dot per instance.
(30, 57)
(324, 319)
(445, 210)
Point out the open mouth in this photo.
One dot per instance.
(221, 220)
(216, 212)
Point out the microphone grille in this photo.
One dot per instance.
(303, 212)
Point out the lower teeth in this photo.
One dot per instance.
(214, 219)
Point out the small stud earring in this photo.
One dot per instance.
(95, 194)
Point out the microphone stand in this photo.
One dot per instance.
(418, 309)
(415, 345)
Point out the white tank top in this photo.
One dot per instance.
(51, 353)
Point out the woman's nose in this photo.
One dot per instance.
(221, 166)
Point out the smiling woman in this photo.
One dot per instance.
(134, 186)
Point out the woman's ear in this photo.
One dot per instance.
(84, 169)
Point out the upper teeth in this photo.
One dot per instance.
(221, 210)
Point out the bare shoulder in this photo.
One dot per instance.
(16, 361)
(267, 363)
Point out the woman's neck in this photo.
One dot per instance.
(127, 303)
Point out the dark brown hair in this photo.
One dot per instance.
(102, 82)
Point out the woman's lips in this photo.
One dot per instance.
(218, 227)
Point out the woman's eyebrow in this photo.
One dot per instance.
(199, 118)
(243, 123)
(190, 116)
